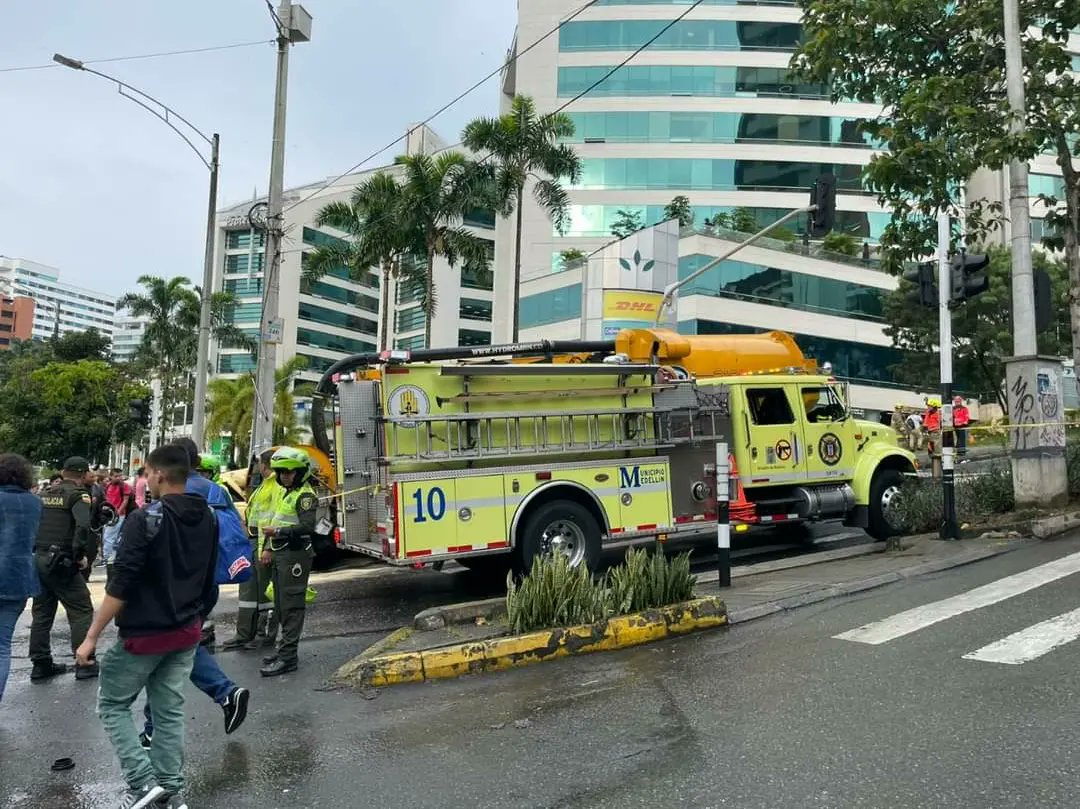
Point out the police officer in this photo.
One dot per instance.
(254, 618)
(288, 551)
(64, 548)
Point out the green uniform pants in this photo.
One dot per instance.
(254, 617)
(66, 587)
(290, 570)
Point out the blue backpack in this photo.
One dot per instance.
(234, 550)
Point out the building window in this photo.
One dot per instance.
(409, 319)
(330, 317)
(235, 363)
(1052, 185)
(480, 218)
(740, 280)
(697, 35)
(553, 306)
(410, 343)
(713, 175)
(241, 239)
(368, 279)
(410, 291)
(473, 337)
(332, 342)
(321, 289)
(316, 238)
(239, 263)
(475, 309)
(244, 287)
(244, 312)
(680, 80)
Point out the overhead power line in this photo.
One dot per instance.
(443, 108)
(143, 56)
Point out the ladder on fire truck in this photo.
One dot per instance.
(685, 414)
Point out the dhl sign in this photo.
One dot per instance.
(621, 304)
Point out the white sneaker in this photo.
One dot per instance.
(139, 798)
(173, 802)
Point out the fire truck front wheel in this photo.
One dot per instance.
(885, 519)
(559, 526)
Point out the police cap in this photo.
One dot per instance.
(76, 464)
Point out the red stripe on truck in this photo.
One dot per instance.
(459, 549)
(499, 544)
(411, 554)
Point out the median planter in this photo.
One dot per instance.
(495, 654)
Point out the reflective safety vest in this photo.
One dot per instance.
(284, 512)
(932, 421)
(260, 508)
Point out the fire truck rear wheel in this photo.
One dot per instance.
(884, 519)
(559, 526)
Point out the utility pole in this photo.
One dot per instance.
(294, 25)
(202, 363)
(949, 527)
(1023, 288)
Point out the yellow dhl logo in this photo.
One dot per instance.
(635, 306)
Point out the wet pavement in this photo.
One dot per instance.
(305, 746)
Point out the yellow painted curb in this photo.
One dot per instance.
(620, 632)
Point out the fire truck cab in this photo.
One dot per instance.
(495, 460)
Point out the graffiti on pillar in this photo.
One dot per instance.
(1022, 412)
(1052, 430)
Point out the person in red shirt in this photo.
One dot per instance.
(118, 494)
(961, 420)
(140, 487)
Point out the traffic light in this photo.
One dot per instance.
(139, 411)
(925, 293)
(968, 276)
(823, 195)
(1044, 310)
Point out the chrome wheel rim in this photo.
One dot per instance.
(566, 538)
(890, 500)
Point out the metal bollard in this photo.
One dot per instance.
(723, 515)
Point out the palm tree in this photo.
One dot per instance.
(232, 401)
(370, 218)
(524, 146)
(170, 342)
(436, 193)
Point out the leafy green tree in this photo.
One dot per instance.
(57, 409)
(231, 403)
(679, 208)
(524, 146)
(571, 256)
(744, 221)
(372, 220)
(982, 328)
(81, 345)
(170, 342)
(937, 69)
(626, 222)
(437, 191)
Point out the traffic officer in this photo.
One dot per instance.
(65, 546)
(254, 617)
(210, 467)
(287, 549)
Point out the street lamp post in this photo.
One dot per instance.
(171, 117)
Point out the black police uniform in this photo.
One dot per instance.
(64, 539)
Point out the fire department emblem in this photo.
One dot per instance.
(829, 449)
(408, 400)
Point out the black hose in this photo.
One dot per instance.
(548, 348)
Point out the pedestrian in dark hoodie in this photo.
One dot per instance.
(162, 578)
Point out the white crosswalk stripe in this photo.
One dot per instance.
(1030, 643)
(912, 620)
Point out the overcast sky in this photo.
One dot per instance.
(97, 187)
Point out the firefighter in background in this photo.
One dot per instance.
(287, 550)
(961, 420)
(932, 425)
(254, 618)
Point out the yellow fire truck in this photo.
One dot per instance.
(495, 455)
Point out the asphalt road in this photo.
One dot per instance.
(775, 713)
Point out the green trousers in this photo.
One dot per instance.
(254, 616)
(65, 587)
(290, 570)
(123, 677)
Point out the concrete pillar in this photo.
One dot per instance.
(1037, 430)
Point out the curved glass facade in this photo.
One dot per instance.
(713, 175)
(694, 35)
(715, 127)
(756, 283)
(333, 342)
(597, 220)
(553, 306)
(686, 80)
